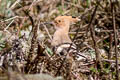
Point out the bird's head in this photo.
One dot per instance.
(61, 22)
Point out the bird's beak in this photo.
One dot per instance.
(51, 23)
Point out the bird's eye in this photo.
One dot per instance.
(59, 20)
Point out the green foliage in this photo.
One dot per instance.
(5, 7)
(2, 6)
(60, 10)
(88, 3)
(93, 70)
(106, 42)
(49, 51)
(75, 1)
(105, 70)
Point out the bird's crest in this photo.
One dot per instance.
(62, 21)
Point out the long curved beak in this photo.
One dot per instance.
(51, 23)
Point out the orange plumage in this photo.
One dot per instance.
(62, 25)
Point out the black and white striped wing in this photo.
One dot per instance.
(69, 48)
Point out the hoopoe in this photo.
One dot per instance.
(62, 25)
(61, 40)
(64, 46)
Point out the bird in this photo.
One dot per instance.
(64, 47)
(61, 40)
(62, 25)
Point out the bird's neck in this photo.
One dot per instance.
(64, 28)
(63, 31)
(61, 36)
